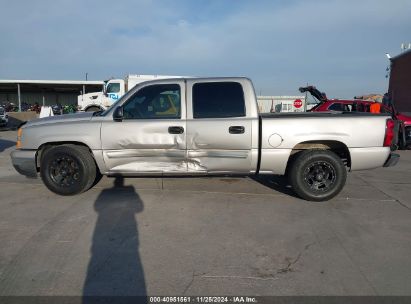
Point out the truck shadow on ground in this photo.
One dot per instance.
(277, 183)
(4, 144)
(115, 267)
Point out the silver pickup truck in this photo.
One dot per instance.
(203, 126)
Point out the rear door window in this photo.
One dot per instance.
(218, 100)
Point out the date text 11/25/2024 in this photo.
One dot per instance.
(205, 299)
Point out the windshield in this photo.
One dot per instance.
(313, 100)
(1, 111)
(104, 113)
(113, 87)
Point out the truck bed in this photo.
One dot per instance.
(360, 134)
(320, 114)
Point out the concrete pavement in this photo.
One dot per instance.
(205, 236)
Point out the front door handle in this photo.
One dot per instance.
(175, 130)
(236, 130)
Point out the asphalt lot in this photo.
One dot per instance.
(205, 236)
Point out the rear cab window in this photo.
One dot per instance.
(218, 100)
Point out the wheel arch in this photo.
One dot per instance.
(335, 146)
(45, 146)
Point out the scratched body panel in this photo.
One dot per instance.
(146, 145)
(211, 148)
(143, 146)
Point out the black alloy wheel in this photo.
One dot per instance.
(320, 176)
(64, 171)
(317, 175)
(68, 169)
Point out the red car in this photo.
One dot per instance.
(359, 105)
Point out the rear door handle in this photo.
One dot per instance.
(236, 130)
(175, 130)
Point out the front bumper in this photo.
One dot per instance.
(392, 160)
(24, 161)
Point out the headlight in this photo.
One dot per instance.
(19, 134)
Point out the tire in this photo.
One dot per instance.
(93, 109)
(68, 169)
(317, 175)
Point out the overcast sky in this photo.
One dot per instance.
(339, 46)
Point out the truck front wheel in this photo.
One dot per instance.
(68, 169)
(317, 175)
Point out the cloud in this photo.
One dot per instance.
(337, 45)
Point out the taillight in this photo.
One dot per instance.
(389, 132)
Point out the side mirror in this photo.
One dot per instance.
(118, 114)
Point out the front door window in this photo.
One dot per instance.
(155, 102)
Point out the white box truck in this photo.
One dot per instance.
(112, 91)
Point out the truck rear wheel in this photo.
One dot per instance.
(68, 169)
(317, 175)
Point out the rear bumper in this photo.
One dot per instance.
(392, 160)
(24, 161)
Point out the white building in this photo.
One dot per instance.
(277, 104)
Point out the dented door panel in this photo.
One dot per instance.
(144, 146)
(219, 144)
(151, 145)
(212, 148)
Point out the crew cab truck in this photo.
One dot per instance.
(214, 129)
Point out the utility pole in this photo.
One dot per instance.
(19, 96)
(86, 75)
(305, 101)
